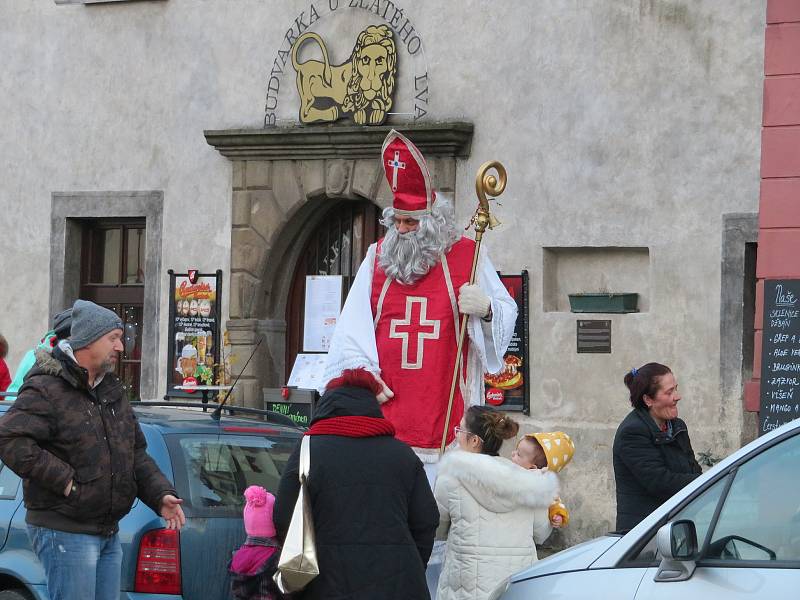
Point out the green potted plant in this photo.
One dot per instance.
(604, 302)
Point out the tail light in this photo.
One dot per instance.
(158, 567)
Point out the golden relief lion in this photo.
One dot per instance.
(361, 87)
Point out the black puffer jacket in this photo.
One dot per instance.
(374, 513)
(649, 466)
(59, 430)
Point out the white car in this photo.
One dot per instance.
(732, 533)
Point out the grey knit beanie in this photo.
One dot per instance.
(62, 322)
(90, 322)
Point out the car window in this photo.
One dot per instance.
(9, 482)
(212, 472)
(700, 511)
(760, 517)
(648, 554)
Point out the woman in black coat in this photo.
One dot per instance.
(653, 456)
(374, 513)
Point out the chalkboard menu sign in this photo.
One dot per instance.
(780, 354)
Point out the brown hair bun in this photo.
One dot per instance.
(501, 425)
(491, 426)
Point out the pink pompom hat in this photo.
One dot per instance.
(258, 512)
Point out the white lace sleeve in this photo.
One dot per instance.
(491, 339)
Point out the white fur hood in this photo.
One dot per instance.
(496, 483)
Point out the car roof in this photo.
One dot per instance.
(182, 419)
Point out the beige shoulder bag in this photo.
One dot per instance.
(297, 565)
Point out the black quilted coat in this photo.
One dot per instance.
(649, 466)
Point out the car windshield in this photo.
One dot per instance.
(213, 471)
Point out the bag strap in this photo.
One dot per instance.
(305, 458)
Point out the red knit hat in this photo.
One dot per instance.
(356, 378)
(408, 176)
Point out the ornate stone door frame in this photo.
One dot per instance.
(283, 179)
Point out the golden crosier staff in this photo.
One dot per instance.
(494, 186)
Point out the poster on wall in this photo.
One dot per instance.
(194, 338)
(508, 389)
(322, 308)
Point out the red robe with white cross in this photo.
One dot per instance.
(416, 332)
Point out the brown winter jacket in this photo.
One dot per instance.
(59, 430)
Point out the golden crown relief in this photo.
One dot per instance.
(360, 88)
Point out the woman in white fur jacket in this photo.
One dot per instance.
(492, 511)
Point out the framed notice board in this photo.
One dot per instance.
(194, 336)
(780, 354)
(509, 389)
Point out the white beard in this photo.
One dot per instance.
(407, 257)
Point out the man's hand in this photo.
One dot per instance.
(472, 300)
(172, 512)
(386, 394)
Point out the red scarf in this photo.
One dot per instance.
(356, 427)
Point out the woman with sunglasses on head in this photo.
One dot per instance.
(492, 511)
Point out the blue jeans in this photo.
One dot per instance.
(78, 566)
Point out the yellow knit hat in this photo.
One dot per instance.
(558, 448)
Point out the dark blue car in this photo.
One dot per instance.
(211, 463)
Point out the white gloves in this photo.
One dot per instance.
(472, 300)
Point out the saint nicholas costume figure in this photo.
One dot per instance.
(401, 317)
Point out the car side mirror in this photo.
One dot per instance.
(677, 540)
(677, 544)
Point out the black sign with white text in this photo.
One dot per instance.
(780, 354)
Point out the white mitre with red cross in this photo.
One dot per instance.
(408, 176)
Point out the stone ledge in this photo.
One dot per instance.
(451, 139)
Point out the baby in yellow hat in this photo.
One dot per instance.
(552, 450)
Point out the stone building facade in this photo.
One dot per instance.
(629, 129)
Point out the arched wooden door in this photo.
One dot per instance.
(336, 247)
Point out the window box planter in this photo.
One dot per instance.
(604, 303)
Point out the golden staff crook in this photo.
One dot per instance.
(484, 182)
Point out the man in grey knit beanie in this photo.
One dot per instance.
(73, 437)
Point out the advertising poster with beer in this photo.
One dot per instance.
(508, 389)
(194, 343)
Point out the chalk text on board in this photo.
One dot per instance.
(784, 298)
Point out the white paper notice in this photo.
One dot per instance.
(323, 305)
(307, 371)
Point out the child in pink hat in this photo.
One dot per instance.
(254, 564)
